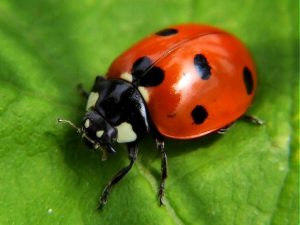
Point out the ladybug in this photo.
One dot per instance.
(182, 82)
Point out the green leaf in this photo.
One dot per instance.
(47, 176)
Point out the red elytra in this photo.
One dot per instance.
(209, 79)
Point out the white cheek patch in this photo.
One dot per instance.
(125, 133)
(144, 93)
(126, 76)
(93, 97)
(87, 123)
(99, 133)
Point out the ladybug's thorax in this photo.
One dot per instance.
(116, 112)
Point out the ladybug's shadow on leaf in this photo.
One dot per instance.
(87, 163)
(174, 148)
(178, 147)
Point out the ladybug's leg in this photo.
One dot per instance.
(252, 119)
(223, 130)
(84, 93)
(164, 170)
(246, 117)
(132, 155)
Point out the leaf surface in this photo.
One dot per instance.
(47, 176)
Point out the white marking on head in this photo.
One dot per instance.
(99, 133)
(126, 76)
(125, 133)
(93, 97)
(144, 93)
(87, 123)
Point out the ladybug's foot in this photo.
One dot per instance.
(164, 171)
(84, 93)
(161, 194)
(104, 197)
(118, 176)
(253, 119)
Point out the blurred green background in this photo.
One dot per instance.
(248, 176)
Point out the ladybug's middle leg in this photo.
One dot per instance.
(132, 155)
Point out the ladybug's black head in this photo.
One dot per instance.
(97, 132)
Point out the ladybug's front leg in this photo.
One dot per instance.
(132, 155)
(84, 93)
(164, 170)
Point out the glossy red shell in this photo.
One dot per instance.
(224, 95)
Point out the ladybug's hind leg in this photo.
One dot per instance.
(164, 170)
(246, 117)
(132, 155)
(252, 119)
(223, 130)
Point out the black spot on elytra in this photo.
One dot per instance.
(140, 66)
(145, 74)
(202, 66)
(199, 114)
(167, 32)
(153, 77)
(248, 80)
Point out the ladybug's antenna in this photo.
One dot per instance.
(97, 146)
(79, 131)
